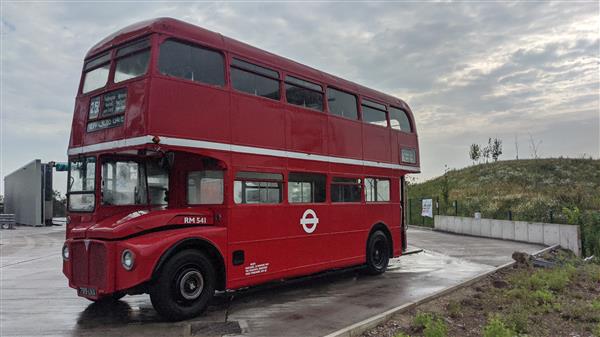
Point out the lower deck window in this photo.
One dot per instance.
(377, 190)
(345, 189)
(205, 187)
(306, 187)
(257, 188)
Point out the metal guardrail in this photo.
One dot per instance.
(7, 221)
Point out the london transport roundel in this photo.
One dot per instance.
(309, 221)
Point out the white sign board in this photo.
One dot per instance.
(427, 208)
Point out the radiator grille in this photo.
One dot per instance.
(89, 265)
(97, 265)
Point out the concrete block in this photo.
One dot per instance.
(476, 228)
(458, 224)
(535, 231)
(452, 224)
(469, 224)
(497, 229)
(437, 222)
(442, 222)
(551, 234)
(567, 236)
(570, 238)
(508, 230)
(521, 231)
(486, 227)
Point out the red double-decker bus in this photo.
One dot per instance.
(199, 163)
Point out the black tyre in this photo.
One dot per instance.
(184, 286)
(378, 253)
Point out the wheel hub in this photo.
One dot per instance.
(191, 285)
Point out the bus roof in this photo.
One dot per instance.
(200, 35)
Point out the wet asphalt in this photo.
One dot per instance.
(35, 299)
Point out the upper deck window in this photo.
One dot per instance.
(399, 120)
(342, 103)
(374, 113)
(303, 93)
(96, 73)
(193, 63)
(133, 61)
(254, 79)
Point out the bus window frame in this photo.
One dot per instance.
(224, 190)
(376, 101)
(84, 71)
(282, 191)
(287, 183)
(357, 100)
(150, 47)
(285, 74)
(260, 64)
(330, 182)
(408, 116)
(376, 179)
(158, 74)
(96, 184)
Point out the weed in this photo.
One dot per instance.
(596, 304)
(581, 313)
(401, 334)
(454, 309)
(543, 296)
(495, 328)
(517, 319)
(432, 326)
(597, 330)
(421, 320)
(435, 328)
(558, 278)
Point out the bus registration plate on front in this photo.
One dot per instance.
(87, 292)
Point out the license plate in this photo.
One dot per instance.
(87, 292)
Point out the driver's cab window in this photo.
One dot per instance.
(205, 187)
(158, 184)
(123, 183)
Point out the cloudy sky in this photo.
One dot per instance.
(516, 71)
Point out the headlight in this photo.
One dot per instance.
(65, 252)
(127, 259)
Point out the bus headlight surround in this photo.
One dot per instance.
(65, 252)
(127, 259)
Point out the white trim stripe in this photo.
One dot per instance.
(235, 148)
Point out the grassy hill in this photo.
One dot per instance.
(532, 189)
(554, 190)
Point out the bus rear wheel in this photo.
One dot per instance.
(184, 286)
(378, 253)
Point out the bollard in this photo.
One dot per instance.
(509, 215)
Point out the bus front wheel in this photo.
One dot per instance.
(378, 253)
(184, 286)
